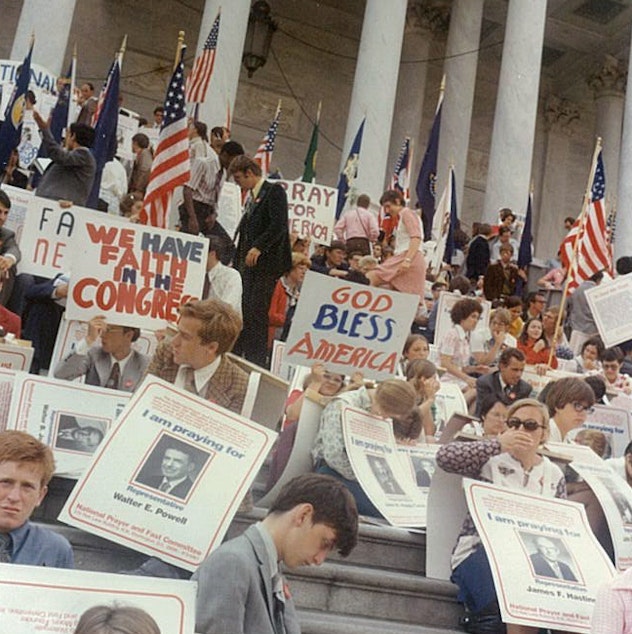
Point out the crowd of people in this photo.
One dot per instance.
(251, 289)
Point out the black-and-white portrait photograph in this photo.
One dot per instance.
(549, 556)
(172, 467)
(384, 475)
(78, 433)
(622, 504)
(424, 469)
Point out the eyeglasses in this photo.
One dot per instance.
(529, 425)
(580, 407)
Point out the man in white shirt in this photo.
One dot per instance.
(221, 282)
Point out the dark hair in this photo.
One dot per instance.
(202, 130)
(420, 368)
(463, 309)
(244, 164)
(232, 149)
(436, 286)
(598, 386)
(531, 297)
(596, 277)
(218, 131)
(89, 84)
(460, 283)
(569, 390)
(84, 134)
(135, 332)
(392, 196)
(506, 247)
(408, 427)
(612, 354)
(486, 404)
(624, 265)
(216, 244)
(332, 502)
(141, 139)
(410, 340)
(594, 341)
(364, 200)
(503, 230)
(506, 212)
(511, 353)
(512, 301)
(5, 201)
(484, 229)
(524, 335)
(570, 219)
(159, 109)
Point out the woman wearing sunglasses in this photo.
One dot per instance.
(570, 401)
(510, 460)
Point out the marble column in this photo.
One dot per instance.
(460, 80)
(562, 118)
(424, 20)
(374, 89)
(509, 173)
(623, 231)
(222, 90)
(608, 85)
(51, 25)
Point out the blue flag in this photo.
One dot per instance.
(450, 247)
(104, 147)
(11, 129)
(524, 251)
(426, 182)
(350, 171)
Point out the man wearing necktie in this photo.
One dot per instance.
(546, 563)
(113, 364)
(263, 253)
(26, 467)
(176, 471)
(241, 589)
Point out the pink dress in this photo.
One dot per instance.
(412, 280)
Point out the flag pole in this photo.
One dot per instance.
(178, 49)
(73, 81)
(580, 233)
(121, 52)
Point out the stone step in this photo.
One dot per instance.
(315, 622)
(375, 594)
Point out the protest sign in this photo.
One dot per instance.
(611, 305)
(420, 461)
(613, 422)
(126, 128)
(229, 207)
(444, 321)
(69, 417)
(43, 83)
(15, 357)
(539, 381)
(449, 400)
(49, 231)
(7, 380)
(372, 452)
(132, 274)
(349, 326)
(311, 209)
(20, 200)
(153, 483)
(71, 332)
(615, 496)
(522, 533)
(39, 600)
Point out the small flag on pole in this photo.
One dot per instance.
(426, 182)
(400, 179)
(11, 130)
(200, 77)
(265, 150)
(350, 171)
(453, 225)
(171, 165)
(309, 173)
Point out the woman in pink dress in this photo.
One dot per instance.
(405, 271)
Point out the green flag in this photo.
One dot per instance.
(309, 173)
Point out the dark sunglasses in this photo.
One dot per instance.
(529, 425)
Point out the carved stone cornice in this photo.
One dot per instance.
(610, 78)
(561, 115)
(428, 15)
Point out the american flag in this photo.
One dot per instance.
(264, 152)
(171, 165)
(200, 77)
(594, 251)
(400, 178)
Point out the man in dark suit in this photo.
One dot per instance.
(113, 364)
(478, 253)
(504, 385)
(9, 251)
(263, 253)
(546, 563)
(176, 469)
(195, 358)
(501, 277)
(240, 587)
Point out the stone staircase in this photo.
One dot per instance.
(380, 587)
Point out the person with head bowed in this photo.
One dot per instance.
(509, 460)
(103, 619)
